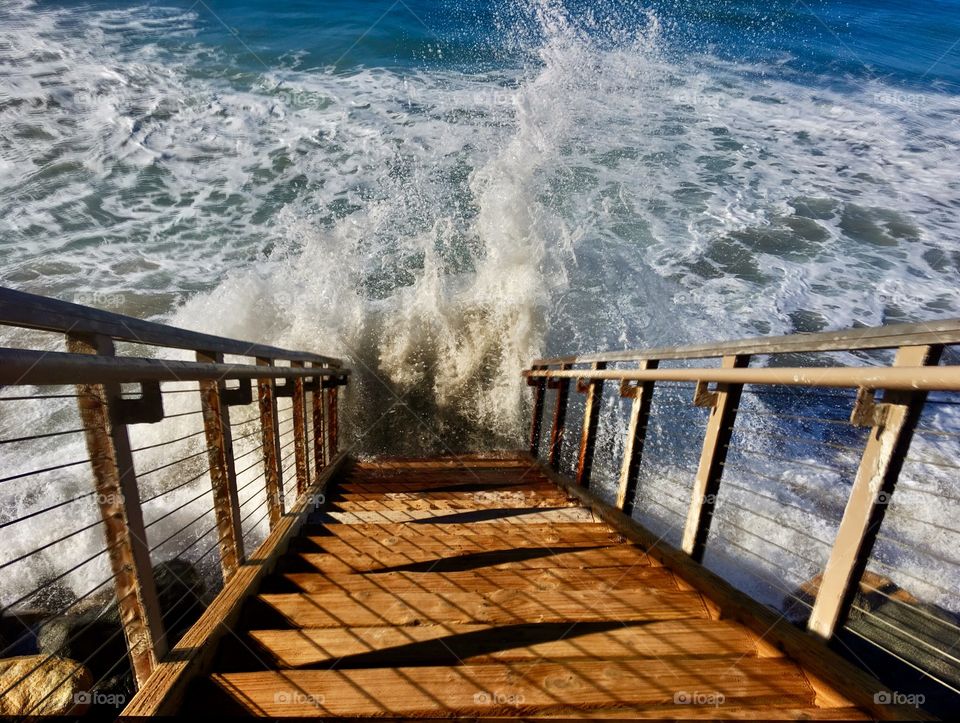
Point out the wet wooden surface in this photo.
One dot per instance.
(479, 588)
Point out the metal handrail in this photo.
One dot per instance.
(30, 311)
(903, 378)
(27, 366)
(891, 419)
(107, 411)
(945, 331)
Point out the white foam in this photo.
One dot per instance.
(441, 229)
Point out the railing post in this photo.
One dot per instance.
(591, 417)
(300, 432)
(333, 430)
(636, 434)
(536, 419)
(119, 500)
(319, 456)
(223, 474)
(269, 429)
(723, 403)
(892, 424)
(559, 417)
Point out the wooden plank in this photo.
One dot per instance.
(686, 712)
(453, 644)
(319, 448)
(625, 577)
(588, 432)
(506, 559)
(880, 465)
(397, 465)
(338, 609)
(269, 430)
(509, 688)
(468, 479)
(706, 485)
(448, 544)
(536, 416)
(223, 475)
(299, 413)
(512, 535)
(570, 514)
(559, 419)
(807, 649)
(473, 501)
(193, 654)
(642, 396)
(115, 478)
(333, 422)
(892, 336)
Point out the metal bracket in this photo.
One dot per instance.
(337, 381)
(283, 390)
(867, 411)
(147, 409)
(630, 389)
(703, 397)
(584, 384)
(239, 397)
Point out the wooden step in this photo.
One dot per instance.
(490, 580)
(339, 609)
(449, 502)
(453, 544)
(457, 644)
(523, 688)
(433, 546)
(525, 535)
(507, 515)
(448, 483)
(531, 558)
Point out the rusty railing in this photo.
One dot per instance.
(785, 456)
(157, 442)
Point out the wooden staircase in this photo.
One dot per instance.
(477, 587)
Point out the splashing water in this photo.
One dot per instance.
(442, 224)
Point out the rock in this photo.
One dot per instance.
(49, 686)
(181, 590)
(94, 634)
(894, 620)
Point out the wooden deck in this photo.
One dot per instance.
(437, 589)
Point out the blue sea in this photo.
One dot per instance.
(443, 191)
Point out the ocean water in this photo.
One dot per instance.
(443, 191)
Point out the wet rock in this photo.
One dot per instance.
(95, 636)
(44, 685)
(894, 619)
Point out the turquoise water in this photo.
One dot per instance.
(443, 191)
(477, 183)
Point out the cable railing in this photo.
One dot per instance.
(135, 487)
(819, 473)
